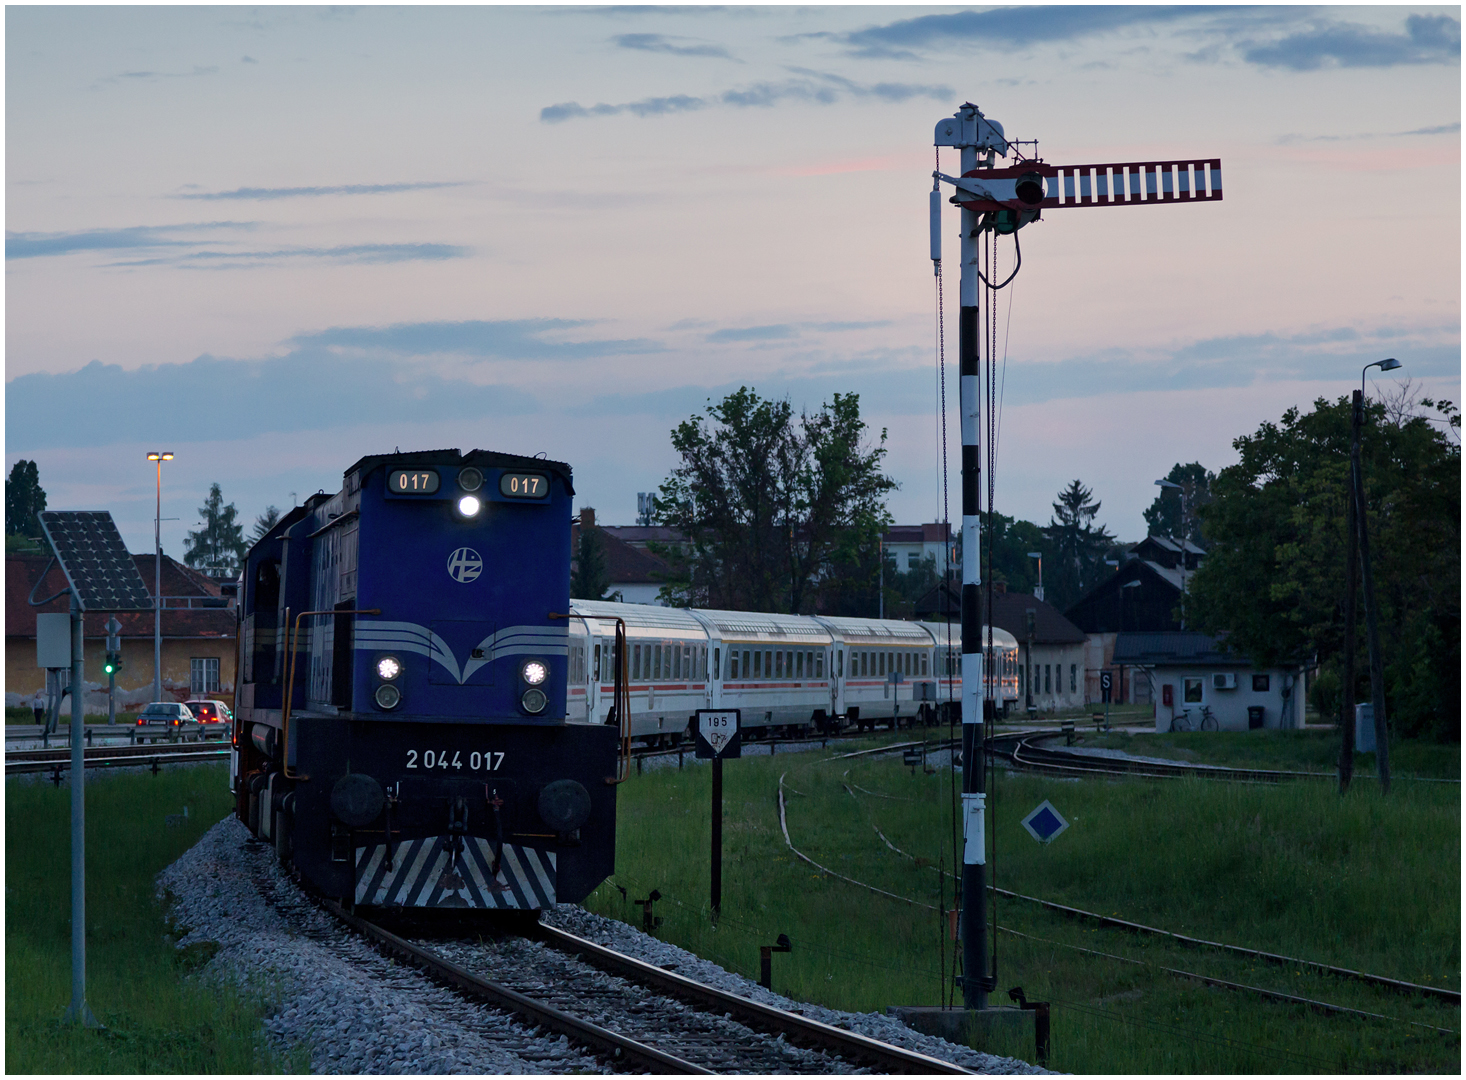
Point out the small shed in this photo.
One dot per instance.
(1191, 671)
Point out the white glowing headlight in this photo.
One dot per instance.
(534, 672)
(469, 506)
(388, 668)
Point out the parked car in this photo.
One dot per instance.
(210, 711)
(170, 713)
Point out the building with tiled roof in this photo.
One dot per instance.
(198, 631)
(635, 573)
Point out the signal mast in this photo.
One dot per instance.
(998, 201)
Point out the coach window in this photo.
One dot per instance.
(678, 656)
(779, 656)
(758, 663)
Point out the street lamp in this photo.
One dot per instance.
(166, 455)
(1358, 518)
(1038, 594)
(1388, 364)
(1185, 531)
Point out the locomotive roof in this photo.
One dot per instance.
(413, 459)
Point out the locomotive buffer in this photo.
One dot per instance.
(998, 201)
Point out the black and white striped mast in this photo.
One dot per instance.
(972, 135)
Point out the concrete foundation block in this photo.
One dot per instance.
(997, 1030)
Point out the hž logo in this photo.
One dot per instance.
(464, 565)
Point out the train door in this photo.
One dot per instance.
(837, 678)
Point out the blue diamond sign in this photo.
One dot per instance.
(1044, 823)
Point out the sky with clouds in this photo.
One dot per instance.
(273, 240)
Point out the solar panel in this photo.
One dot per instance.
(96, 563)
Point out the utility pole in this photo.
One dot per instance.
(1351, 594)
(1371, 607)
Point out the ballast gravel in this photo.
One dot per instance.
(351, 1010)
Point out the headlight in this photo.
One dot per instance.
(388, 696)
(534, 672)
(469, 506)
(534, 701)
(470, 479)
(388, 668)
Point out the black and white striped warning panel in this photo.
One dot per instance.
(426, 873)
(1037, 185)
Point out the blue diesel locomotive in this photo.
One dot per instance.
(401, 733)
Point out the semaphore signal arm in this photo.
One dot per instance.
(1011, 196)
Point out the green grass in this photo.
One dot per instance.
(157, 1019)
(1295, 751)
(1361, 882)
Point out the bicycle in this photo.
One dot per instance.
(1181, 721)
(1208, 719)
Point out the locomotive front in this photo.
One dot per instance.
(402, 733)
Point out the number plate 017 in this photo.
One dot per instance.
(455, 760)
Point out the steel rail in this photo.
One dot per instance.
(100, 758)
(878, 1055)
(619, 1048)
(110, 750)
(1225, 984)
(1027, 753)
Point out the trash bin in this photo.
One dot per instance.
(1254, 717)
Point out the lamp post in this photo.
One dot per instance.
(1038, 593)
(155, 456)
(1185, 532)
(1371, 608)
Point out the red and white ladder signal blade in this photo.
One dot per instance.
(1128, 183)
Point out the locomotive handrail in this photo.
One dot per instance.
(293, 642)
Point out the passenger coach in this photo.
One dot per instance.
(785, 673)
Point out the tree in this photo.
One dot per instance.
(1078, 547)
(1274, 579)
(1163, 518)
(590, 579)
(776, 508)
(24, 499)
(219, 546)
(264, 523)
(1008, 541)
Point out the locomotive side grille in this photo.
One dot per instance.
(425, 874)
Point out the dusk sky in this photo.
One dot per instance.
(272, 240)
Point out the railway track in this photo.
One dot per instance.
(1026, 750)
(57, 759)
(618, 1007)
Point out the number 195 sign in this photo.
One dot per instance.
(717, 733)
